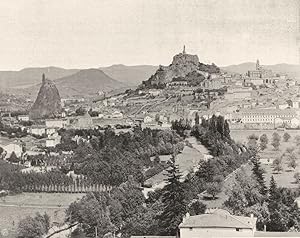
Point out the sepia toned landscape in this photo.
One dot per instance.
(149, 119)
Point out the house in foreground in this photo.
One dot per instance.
(217, 223)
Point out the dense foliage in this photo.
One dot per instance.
(275, 207)
(110, 158)
(12, 132)
(212, 69)
(214, 134)
(36, 226)
(116, 213)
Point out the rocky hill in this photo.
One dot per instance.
(47, 103)
(182, 65)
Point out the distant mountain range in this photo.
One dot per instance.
(31, 76)
(130, 75)
(87, 82)
(71, 82)
(290, 69)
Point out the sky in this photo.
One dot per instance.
(94, 33)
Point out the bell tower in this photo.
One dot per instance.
(257, 65)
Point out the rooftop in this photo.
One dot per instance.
(219, 218)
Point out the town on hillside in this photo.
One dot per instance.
(186, 149)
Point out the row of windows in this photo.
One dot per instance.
(264, 120)
(268, 116)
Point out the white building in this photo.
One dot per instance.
(50, 131)
(238, 93)
(37, 130)
(283, 105)
(296, 102)
(154, 92)
(218, 223)
(276, 117)
(23, 117)
(148, 119)
(117, 115)
(55, 123)
(53, 140)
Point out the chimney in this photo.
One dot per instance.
(43, 78)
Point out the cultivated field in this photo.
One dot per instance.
(15, 208)
(284, 178)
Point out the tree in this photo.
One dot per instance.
(92, 212)
(292, 161)
(297, 139)
(197, 119)
(290, 150)
(276, 221)
(277, 165)
(258, 173)
(226, 130)
(34, 226)
(214, 188)
(243, 194)
(196, 208)
(263, 141)
(80, 111)
(286, 137)
(174, 203)
(276, 140)
(252, 144)
(297, 177)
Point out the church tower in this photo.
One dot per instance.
(257, 65)
(183, 52)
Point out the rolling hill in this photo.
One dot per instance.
(87, 82)
(290, 69)
(130, 75)
(30, 76)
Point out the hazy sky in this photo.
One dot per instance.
(93, 33)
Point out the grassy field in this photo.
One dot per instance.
(285, 177)
(186, 161)
(15, 208)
